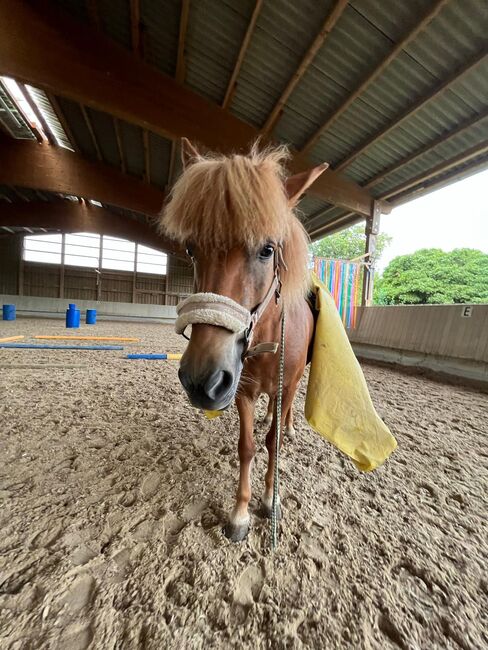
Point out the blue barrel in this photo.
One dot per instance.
(91, 316)
(8, 312)
(72, 316)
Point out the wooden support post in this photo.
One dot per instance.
(134, 277)
(20, 277)
(372, 230)
(99, 274)
(61, 268)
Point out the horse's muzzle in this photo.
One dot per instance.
(213, 390)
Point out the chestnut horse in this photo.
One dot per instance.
(235, 216)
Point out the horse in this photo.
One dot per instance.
(235, 216)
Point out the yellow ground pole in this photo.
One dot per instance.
(88, 338)
(11, 338)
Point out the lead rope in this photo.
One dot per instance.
(276, 477)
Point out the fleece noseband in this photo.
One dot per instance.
(222, 311)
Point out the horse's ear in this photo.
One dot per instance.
(188, 153)
(298, 184)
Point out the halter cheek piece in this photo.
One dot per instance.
(221, 311)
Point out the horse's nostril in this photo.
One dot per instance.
(185, 379)
(218, 383)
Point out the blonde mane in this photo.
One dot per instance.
(226, 201)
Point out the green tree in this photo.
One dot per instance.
(348, 244)
(431, 276)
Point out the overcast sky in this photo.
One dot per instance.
(453, 217)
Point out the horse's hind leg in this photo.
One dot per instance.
(267, 499)
(268, 418)
(238, 524)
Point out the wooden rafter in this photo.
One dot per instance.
(54, 169)
(180, 58)
(441, 87)
(443, 138)
(93, 13)
(242, 53)
(327, 27)
(93, 136)
(66, 57)
(394, 52)
(120, 146)
(69, 216)
(342, 221)
(446, 180)
(180, 78)
(62, 120)
(135, 24)
(35, 109)
(442, 168)
(147, 156)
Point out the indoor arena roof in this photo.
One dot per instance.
(394, 95)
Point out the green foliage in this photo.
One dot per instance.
(348, 244)
(431, 276)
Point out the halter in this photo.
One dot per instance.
(222, 311)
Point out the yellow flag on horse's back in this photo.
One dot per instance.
(338, 404)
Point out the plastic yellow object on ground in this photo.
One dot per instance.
(338, 404)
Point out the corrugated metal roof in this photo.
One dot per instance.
(364, 35)
(214, 36)
(160, 28)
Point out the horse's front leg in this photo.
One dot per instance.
(268, 418)
(238, 524)
(286, 406)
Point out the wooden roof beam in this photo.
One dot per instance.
(231, 86)
(54, 169)
(180, 78)
(93, 136)
(180, 57)
(442, 182)
(394, 52)
(442, 168)
(40, 117)
(62, 119)
(147, 156)
(70, 216)
(135, 26)
(339, 223)
(444, 85)
(445, 137)
(46, 48)
(327, 27)
(120, 146)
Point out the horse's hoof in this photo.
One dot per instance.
(236, 532)
(266, 510)
(290, 433)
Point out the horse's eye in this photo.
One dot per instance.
(266, 252)
(189, 252)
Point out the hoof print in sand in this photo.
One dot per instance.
(150, 485)
(248, 590)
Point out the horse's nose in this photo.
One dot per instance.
(209, 390)
(217, 384)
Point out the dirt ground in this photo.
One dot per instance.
(114, 492)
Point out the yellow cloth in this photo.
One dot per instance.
(338, 404)
(210, 415)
